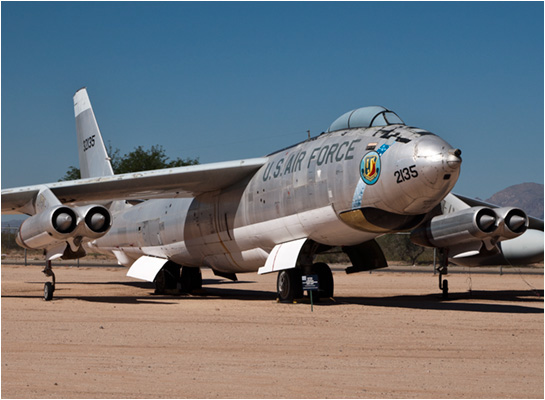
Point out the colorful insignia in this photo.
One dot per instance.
(382, 149)
(370, 167)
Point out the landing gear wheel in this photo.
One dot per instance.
(445, 289)
(167, 279)
(49, 287)
(48, 291)
(191, 279)
(325, 280)
(289, 285)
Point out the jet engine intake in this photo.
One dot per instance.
(52, 225)
(513, 222)
(97, 220)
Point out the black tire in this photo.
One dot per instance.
(191, 279)
(48, 291)
(289, 286)
(167, 279)
(445, 289)
(325, 280)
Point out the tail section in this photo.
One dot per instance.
(93, 158)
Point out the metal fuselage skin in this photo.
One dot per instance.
(301, 192)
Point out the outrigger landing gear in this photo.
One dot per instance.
(49, 287)
(443, 270)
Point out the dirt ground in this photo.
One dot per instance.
(386, 335)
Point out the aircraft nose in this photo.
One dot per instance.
(434, 167)
(454, 160)
(415, 175)
(437, 161)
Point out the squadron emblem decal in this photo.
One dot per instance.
(370, 167)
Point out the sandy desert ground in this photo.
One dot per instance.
(386, 335)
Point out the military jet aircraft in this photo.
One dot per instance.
(368, 175)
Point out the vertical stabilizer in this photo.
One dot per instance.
(93, 158)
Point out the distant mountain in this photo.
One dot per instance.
(528, 196)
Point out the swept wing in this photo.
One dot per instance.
(166, 183)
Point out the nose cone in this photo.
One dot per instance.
(416, 175)
(437, 161)
(438, 165)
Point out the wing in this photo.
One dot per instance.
(166, 183)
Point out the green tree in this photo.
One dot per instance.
(72, 174)
(399, 247)
(146, 160)
(137, 160)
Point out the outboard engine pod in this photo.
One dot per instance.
(468, 225)
(52, 225)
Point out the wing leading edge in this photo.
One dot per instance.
(178, 182)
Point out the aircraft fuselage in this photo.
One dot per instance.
(340, 188)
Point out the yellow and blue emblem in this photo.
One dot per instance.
(370, 167)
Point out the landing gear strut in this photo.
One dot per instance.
(443, 270)
(49, 287)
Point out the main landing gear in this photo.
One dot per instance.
(49, 287)
(175, 279)
(289, 283)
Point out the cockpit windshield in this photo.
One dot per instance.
(366, 117)
(386, 118)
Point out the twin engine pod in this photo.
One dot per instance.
(60, 223)
(473, 224)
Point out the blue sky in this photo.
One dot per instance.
(224, 81)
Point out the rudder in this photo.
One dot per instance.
(93, 157)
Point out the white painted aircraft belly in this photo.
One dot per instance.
(245, 249)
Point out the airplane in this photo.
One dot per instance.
(368, 175)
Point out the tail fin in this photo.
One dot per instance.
(93, 158)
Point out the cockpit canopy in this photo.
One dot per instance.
(366, 117)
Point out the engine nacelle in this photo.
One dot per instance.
(52, 225)
(513, 222)
(61, 224)
(94, 221)
(469, 225)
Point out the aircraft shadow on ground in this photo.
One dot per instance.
(458, 301)
(435, 301)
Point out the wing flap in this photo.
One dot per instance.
(166, 183)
